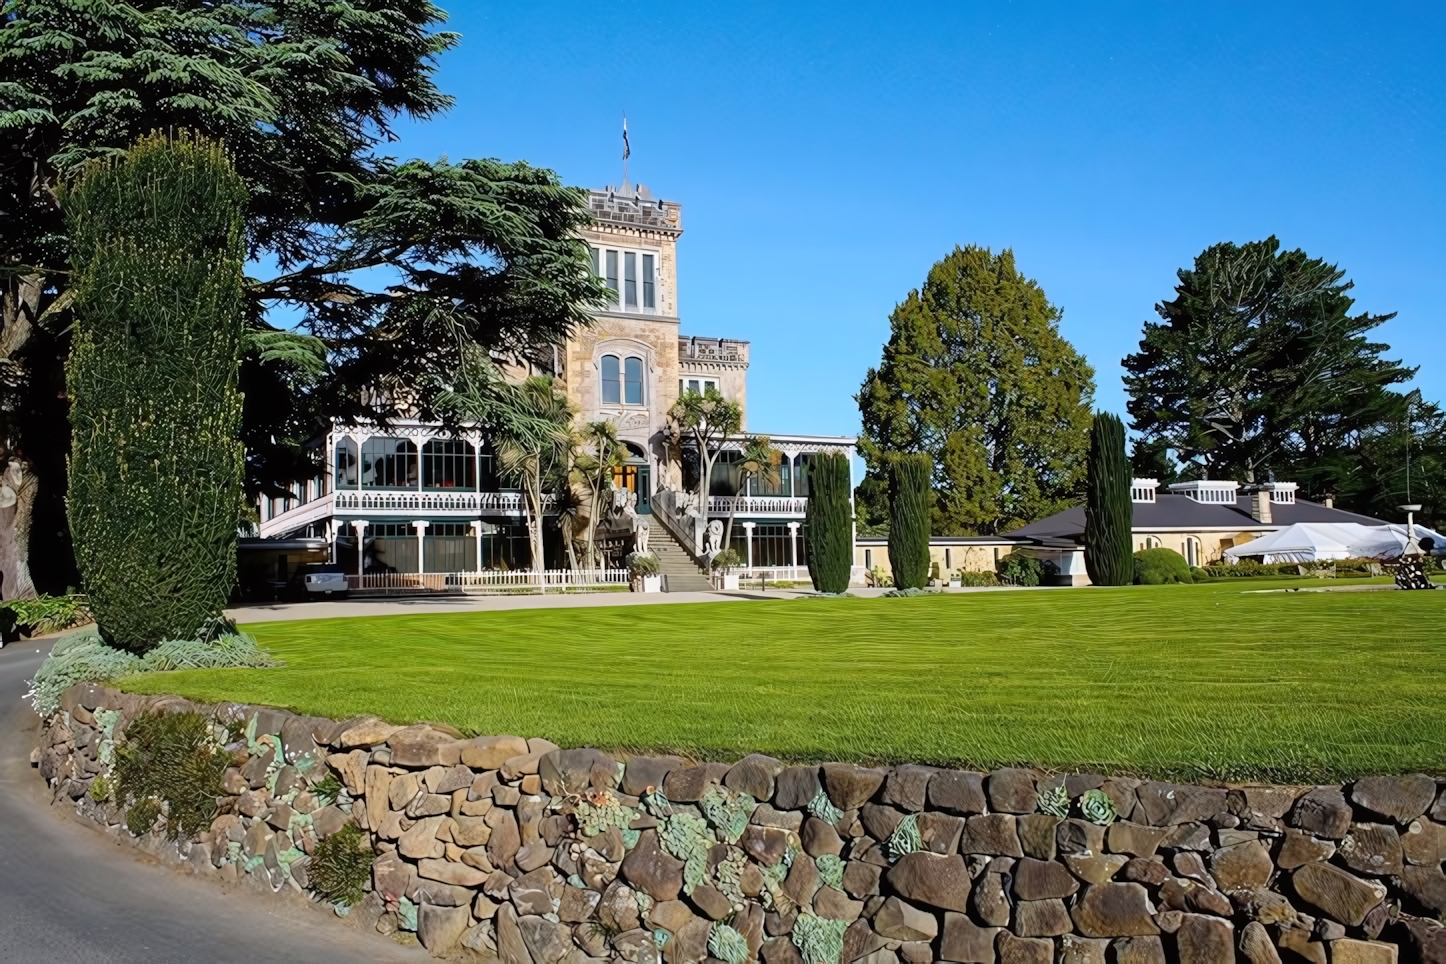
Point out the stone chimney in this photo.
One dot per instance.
(1330, 502)
(1260, 506)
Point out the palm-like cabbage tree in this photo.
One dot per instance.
(600, 453)
(760, 460)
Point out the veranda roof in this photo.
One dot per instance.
(1317, 541)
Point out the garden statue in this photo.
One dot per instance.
(626, 502)
(713, 537)
(1411, 568)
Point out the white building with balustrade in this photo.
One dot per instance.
(415, 500)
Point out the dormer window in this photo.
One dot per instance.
(622, 380)
(631, 275)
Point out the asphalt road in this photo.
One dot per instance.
(69, 894)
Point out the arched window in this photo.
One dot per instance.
(1192, 551)
(633, 381)
(345, 464)
(449, 464)
(612, 389)
(388, 463)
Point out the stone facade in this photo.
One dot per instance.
(511, 849)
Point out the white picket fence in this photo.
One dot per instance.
(492, 581)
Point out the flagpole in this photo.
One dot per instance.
(627, 150)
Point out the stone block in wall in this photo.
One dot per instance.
(965, 942)
(880, 820)
(767, 845)
(765, 815)
(932, 879)
(1074, 949)
(1137, 840)
(833, 904)
(989, 901)
(795, 787)
(1402, 798)
(1322, 812)
(1205, 940)
(1115, 910)
(1423, 842)
(1042, 880)
(1075, 836)
(1041, 918)
(906, 787)
(644, 773)
(780, 950)
(1427, 886)
(850, 786)
(753, 775)
(957, 791)
(901, 921)
(1336, 892)
(1168, 804)
(991, 833)
(1372, 848)
(940, 832)
(651, 870)
(1243, 867)
(819, 838)
(1350, 951)
(1138, 950)
(1011, 790)
(1095, 868)
(363, 732)
(861, 879)
(686, 785)
(564, 772)
(1023, 950)
(860, 940)
(1037, 835)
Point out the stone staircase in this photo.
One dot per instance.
(680, 572)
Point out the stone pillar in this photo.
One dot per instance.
(360, 525)
(421, 546)
(748, 535)
(793, 544)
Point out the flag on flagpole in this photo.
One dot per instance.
(627, 150)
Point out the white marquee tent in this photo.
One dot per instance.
(1319, 541)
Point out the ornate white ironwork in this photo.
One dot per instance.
(492, 581)
(453, 503)
(756, 505)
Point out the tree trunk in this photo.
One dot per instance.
(15, 580)
(21, 310)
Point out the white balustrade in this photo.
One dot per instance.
(490, 581)
(756, 505)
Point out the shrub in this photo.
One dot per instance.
(1018, 569)
(1109, 510)
(910, 498)
(340, 866)
(1198, 575)
(967, 578)
(642, 564)
(157, 463)
(169, 763)
(829, 522)
(1248, 568)
(83, 657)
(48, 614)
(1158, 566)
(727, 559)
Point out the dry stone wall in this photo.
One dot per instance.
(497, 847)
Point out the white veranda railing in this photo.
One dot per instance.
(498, 581)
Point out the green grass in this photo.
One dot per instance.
(1205, 681)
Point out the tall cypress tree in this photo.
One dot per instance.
(829, 522)
(156, 462)
(1109, 510)
(910, 506)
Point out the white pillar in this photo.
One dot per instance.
(793, 544)
(331, 539)
(360, 525)
(477, 534)
(748, 535)
(421, 546)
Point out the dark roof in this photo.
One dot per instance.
(1182, 512)
(1003, 540)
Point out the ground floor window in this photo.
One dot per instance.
(449, 547)
(772, 545)
(1192, 551)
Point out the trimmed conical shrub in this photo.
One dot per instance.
(910, 506)
(1109, 510)
(829, 522)
(156, 462)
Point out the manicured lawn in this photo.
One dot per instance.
(1186, 681)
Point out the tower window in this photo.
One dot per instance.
(630, 279)
(649, 299)
(611, 383)
(633, 381)
(612, 273)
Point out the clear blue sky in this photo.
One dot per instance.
(827, 155)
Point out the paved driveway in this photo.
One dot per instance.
(68, 894)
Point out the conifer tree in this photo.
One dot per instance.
(156, 464)
(829, 523)
(910, 503)
(1109, 509)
